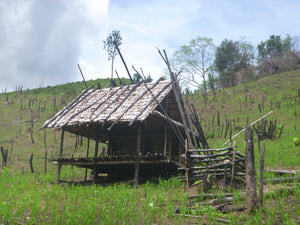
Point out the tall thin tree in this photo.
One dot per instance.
(109, 46)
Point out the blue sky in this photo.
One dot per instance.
(42, 41)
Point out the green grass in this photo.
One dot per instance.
(25, 199)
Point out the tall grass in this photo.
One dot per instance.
(25, 199)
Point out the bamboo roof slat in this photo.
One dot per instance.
(119, 104)
(132, 104)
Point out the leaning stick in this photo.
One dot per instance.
(245, 128)
(82, 76)
(123, 61)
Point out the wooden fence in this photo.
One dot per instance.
(213, 165)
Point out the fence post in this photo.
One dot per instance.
(60, 155)
(186, 166)
(46, 154)
(261, 176)
(30, 162)
(251, 193)
(4, 156)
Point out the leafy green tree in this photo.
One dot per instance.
(227, 61)
(148, 79)
(114, 38)
(246, 69)
(233, 62)
(137, 78)
(272, 54)
(274, 46)
(196, 61)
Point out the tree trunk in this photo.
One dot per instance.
(112, 67)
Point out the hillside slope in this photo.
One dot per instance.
(22, 113)
(231, 107)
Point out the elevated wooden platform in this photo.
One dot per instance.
(123, 166)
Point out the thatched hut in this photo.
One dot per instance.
(141, 125)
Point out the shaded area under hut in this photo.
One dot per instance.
(143, 125)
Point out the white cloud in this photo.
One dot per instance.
(45, 40)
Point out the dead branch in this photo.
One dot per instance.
(82, 76)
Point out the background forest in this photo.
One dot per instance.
(207, 67)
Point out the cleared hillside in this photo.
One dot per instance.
(34, 198)
(235, 106)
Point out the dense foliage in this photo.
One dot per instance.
(207, 67)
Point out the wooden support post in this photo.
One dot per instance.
(96, 153)
(60, 154)
(166, 141)
(11, 146)
(170, 148)
(46, 153)
(232, 163)
(261, 176)
(30, 162)
(137, 159)
(180, 152)
(87, 155)
(45, 145)
(252, 201)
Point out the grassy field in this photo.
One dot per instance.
(34, 198)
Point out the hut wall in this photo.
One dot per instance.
(150, 144)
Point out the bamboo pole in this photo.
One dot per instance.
(211, 150)
(82, 76)
(233, 162)
(123, 61)
(157, 113)
(178, 99)
(245, 128)
(186, 166)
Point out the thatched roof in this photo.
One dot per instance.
(125, 104)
